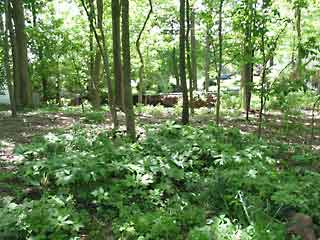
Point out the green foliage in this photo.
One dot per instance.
(94, 117)
(173, 184)
(51, 217)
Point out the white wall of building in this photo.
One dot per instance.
(4, 97)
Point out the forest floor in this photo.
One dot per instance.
(295, 130)
(21, 129)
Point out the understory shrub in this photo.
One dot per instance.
(177, 182)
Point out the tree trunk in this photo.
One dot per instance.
(220, 64)
(193, 51)
(207, 60)
(141, 69)
(175, 68)
(130, 122)
(16, 79)
(299, 70)
(6, 62)
(189, 65)
(104, 52)
(182, 65)
(44, 80)
(21, 53)
(247, 68)
(58, 86)
(95, 63)
(39, 51)
(263, 83)
(116, 41)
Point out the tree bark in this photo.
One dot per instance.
(58, 86)
(299, 74)
(175, 68)
(39, 51)
(6, 63)
(220, 64)
(116, 41)
(182, 65)
(189, 64)
(193, 51)
(103, 51)
(95, 61)
(21, 53)
(263, 83)
(16, 79)
(130, 121)
(247, 68)
(207, 60)
(141, 69)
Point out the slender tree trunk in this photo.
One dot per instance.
(189, 65)
(299, 65)
(175, 68)
(104, 52)
(141, 69)
(182, 65)
(44, 80)
(6, 62)
(193, 51)
(130, 121)
(116, 41)
(263, 83)
(220, 64)
(21, 51)
(95, 63)
(207, 60)
(58, 86)
(39, 51)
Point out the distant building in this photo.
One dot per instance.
(4, 97)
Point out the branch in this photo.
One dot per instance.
(93, 27)
(141, 32)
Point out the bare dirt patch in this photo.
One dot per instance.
(25, 126)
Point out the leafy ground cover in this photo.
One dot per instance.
(176, 182)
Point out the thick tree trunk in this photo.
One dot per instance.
(21, 53)
(207, 60)
(247, 68)
(116, 41)
(130, 122)
(220, 64)
(193, 51)
(182, 65)
(6, 63)
(16, 79)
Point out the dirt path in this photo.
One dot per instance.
(21, 129)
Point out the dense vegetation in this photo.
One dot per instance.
(177, 183)
(159, 119)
